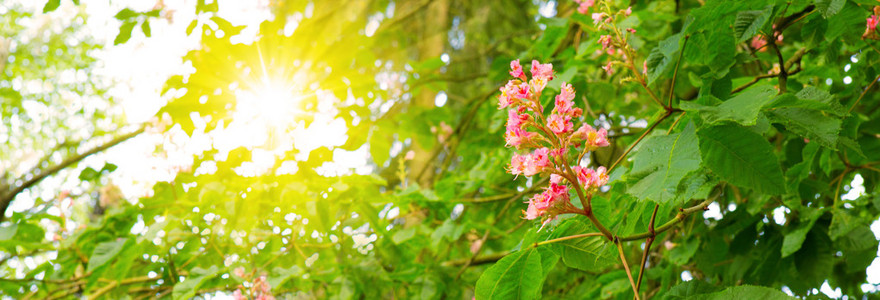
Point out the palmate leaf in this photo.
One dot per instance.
(588, 254)
(662, 162)
(745, 292)
(743, 109)
(512, 277)
(105, 252)
(662, 57)
(749, 23)
(742, 157)
(809, 123)
(829, 8)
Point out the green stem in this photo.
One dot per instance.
(678, 218)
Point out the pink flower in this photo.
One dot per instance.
(516, 70)
(544, 71)
(631, 30)
(557, 192)
(628, 11)
(758, 43)
(555, 179)
(238, 296)
(538, 205)
(871, 25)
(600, 177)
(597, 17)
(591, 178)
(584, 6)
(239, 272)
(558, 153)
(537, 161)
(605, 40)
(645, 67)
(543, 204)
(517, 164)
(596, 139)
(608, 68)
(512, 92)
(517, 136)
(584, 175)
(538, 84)
(515, 120)
(532, 212)
(564, 102)
(559, 124)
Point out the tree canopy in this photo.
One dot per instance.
(439, 149)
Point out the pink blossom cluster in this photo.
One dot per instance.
(871, 24)
(550, 138)
(759, 41)
(260, 290)
(612, 43)
(584, 5)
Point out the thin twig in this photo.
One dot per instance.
(863, 94)
(626, 267)
(648, 243)
(675, 73)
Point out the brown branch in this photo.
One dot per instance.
(7, 198)
(626, 267)
(648, 243)
(795, 59)
(783, 74)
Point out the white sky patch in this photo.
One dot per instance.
(713, 212)
(827, 290)
(857, 188)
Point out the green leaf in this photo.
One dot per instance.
(809, 123)
(842, 222)
(145, 27)
(512, 277)
(742, 109)
(187, 288)
(662, 162)
(749, 23)
(403, 235)
(746, 292)
(794, 239)
(105, 252)
(125, 14)
(815, 260)
(662, 57)
(683, 252)
(812, 98)
(589, 253)
(191, 26)
(51, 5)
(552, 37)
(741, 157)
(829, 8)
(8, 232)
(688, 289)
(124, 33)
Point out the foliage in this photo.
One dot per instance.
(763, 111)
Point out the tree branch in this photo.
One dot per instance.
(683, 213)
(7, 198)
